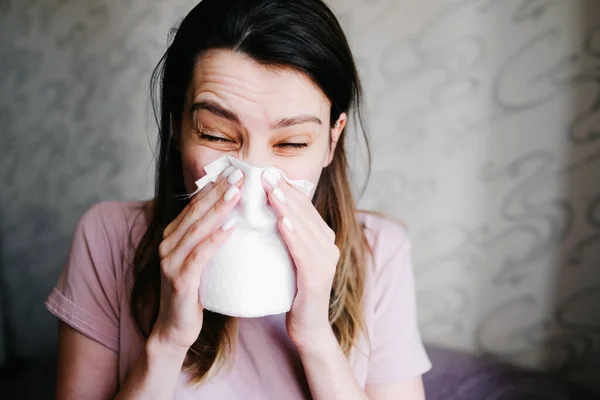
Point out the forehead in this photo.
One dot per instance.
(258, 93)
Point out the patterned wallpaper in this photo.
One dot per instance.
(73, 110)
(484, 118)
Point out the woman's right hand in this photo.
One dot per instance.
(189, 242)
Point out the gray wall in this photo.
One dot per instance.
(73, 92)
(484, 118)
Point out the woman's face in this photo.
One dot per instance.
(261, 115)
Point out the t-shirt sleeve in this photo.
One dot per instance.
(86, 296)
(397, 351)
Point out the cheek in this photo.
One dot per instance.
(302, 169)
(308, 166)
(193, 160)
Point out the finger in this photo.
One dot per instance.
(175, 223)
(284, 215)
(198, 197)
(203, 252)
(302, 247)
(301, 232)
(225, 192)
(329, 232)
(281, 205)
(292, 233)
(305, 205)
(225, 176)
(213, 220)
(279, 191)
(278, 195)
(297, 240)
(287, 200)
(270, 182)
(198, 205)
(284, 208)
(206, 198)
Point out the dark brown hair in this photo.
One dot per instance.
(302, 35)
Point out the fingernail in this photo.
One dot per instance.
(228, 171)
(227, 225)
(288, 224)
(270, 177)
(235, 177)
(230, 193)
(279, 195)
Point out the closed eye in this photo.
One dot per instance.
(212, 138)
(292, 145)
(218, 139)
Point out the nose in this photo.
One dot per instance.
(254, 198)
(256, 154)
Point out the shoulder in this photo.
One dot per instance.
(91, 288)
(386, 236)
(114, 216)
(113, 225)
(115, 213)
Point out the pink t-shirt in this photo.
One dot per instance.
(93, 295)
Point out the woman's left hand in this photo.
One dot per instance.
(311, 243)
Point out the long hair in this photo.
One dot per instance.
(302, 35)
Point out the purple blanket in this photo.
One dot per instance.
(457, 376)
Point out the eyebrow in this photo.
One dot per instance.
(297, 120)
(216, 109)
(229, 115)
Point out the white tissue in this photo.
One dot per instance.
(252, 274)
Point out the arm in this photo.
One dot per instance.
(86, 300)
(328, 372)
(326, 367)
(155, 373)
(330, 377)
(397, 358)
(411, 389)
(153, 377)
(77, 377)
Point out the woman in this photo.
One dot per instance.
(269, 82)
